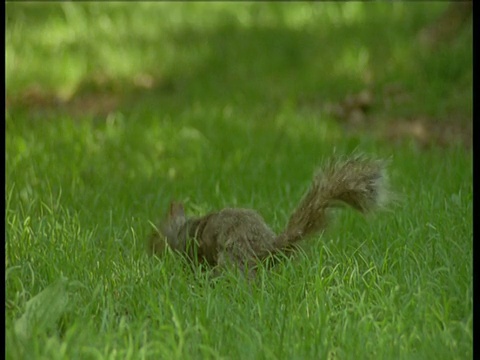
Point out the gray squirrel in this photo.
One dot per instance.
(240, 237)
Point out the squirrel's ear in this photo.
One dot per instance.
(176, 210)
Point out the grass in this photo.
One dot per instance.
(222, 126)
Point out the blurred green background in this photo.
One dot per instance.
(259, 57)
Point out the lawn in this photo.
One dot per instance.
(113, 110)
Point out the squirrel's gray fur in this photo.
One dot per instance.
(241, 237)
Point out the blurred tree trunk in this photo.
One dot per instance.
(448, 25)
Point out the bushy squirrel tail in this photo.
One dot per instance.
(356, 181)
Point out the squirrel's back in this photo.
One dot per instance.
(236, 234)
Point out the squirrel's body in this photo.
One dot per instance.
(229, 235)
(241, 237)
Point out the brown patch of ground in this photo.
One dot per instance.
(96, 97)
(429, 132)
(36, 100)
(356, 113)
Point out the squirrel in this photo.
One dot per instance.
(241, 237)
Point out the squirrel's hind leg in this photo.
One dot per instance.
(227, 261)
